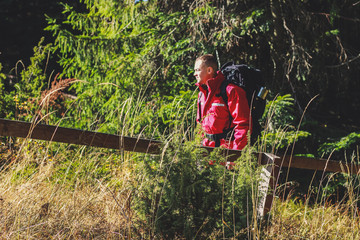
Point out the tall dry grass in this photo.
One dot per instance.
(38, 203)
(320, 214)
(296, 220)
(57, 191)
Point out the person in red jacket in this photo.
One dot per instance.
(223, 124)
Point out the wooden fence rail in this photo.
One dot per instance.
(21, 129)
(271, 163)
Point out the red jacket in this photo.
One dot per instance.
(214, 115)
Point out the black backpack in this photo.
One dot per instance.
(250, 79)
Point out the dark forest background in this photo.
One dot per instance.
(126, 68)
(307, 49)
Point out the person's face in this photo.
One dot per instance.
(202, 72)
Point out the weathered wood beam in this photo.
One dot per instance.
(76, 136)
(319, 164)
(271, 163)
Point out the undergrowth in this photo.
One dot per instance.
(60, 191)
(83, 192)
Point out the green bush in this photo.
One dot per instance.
(182, 195)
(22, 100)
(347, 146)
(279, 120)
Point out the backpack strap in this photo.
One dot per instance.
(199, 106)
(225, 133)
(223, 93)
(224, 96)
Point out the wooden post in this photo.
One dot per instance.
(268, 180)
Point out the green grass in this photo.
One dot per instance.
(60, 191)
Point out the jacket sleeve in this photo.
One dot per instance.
(240, 112)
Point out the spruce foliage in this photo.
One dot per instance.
(182, 195)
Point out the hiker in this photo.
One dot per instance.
(224, 124)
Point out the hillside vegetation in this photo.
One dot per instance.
(126, 68)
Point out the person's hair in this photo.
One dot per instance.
(209, 60)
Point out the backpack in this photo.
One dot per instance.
(250, 79)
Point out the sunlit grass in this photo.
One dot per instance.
(295, 220)
(60, 191)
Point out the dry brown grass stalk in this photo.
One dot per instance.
(54, 96)
(293, 220)
(35, 206)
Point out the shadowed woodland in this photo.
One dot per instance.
(126, 68)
